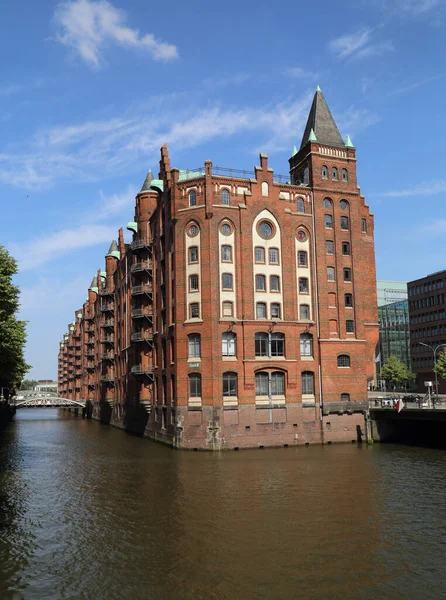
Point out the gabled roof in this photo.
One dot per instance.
(113, 247)
(321, 123)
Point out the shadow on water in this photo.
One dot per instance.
(95, 513)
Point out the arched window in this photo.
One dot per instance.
(262, 384)
(324, 172)
(330, 274)
(277, 344)
(230, 384)
(259, 254)
(308, 382)
(343, 204)
(304, 311)
(303, 285)
(228, 343)
(261, 344)
(226, 253)
(225, 197)
(193, 254)
(343, 360)
(274, 283)
(227, 309)
(327, 203)
(306, 175)
(275, 310)
(364, 225)
(277, 383)
(334, 173)
(261, 310)
(302, 258)
(344, 223)
(344, 175)
(194, 345)
(194, 310)
(273, 256)
(227, 281)
(345, 397)
(264, 189)
(260, 283)
(300, 205)
(192, 198)
(306, 344)
(195, 385)
(193, 283)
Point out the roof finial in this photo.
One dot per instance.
(348, 142)
(312, 137)
(294, 151)
(318, 89)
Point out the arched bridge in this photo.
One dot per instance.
(46, 402)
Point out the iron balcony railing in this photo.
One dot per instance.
(142, 289)
(108, 323)
(140, 370)
(107, 340)
(89, 353)
(228, 172)
(107, 378)
(140, 244)
(141, 337)
(90, 342)
(108, 307)
(90, 367)
(145, 265)
(106, 292)
(141, 313)
(107, 356)
(89, 329)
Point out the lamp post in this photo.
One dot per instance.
(434, 351)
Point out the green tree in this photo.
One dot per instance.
(440, 366)
(396, 372)
(12, 331)
(28, 384)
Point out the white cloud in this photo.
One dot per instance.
(429, 188)
(413, 7)
(359, 45)
(87, 26)
(354, 120)
(9, 90)
(437, 227)
(300, 73)
(38, 251)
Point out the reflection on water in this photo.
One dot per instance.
(90, 512)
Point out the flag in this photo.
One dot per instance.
(399, 405)
(378, 358)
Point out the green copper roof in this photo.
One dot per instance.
(312, 137)
(348, 142)
(184, 175)
(318, 89)
(103, 274)
(157, 185)
(71, 328)
(114, 250)
(294, 151)
(79, 315)
(132, 226)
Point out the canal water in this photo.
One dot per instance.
(88, 511)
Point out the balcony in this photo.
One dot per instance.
(108, 339)
(139, 290)
(140, 371)
(141, 313)
(90, 342)
(90, 353)
(107, 307)
(107, 356)
(107, 379)
(108, 323)
(89, 329)
(90, 367)
(139, 245)
(141, 267)
(106, 292)
(141, 336)
(91, 384)
(88, 318)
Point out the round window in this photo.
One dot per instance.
(266, 230)
(327, 203)
(343, 204)
(193, 230)
(226, 229)
(301, 235)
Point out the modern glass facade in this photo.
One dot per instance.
(393, 317)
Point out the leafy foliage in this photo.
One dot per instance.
(12, 331)
(28, 384)
(440, 367)
(396, 372)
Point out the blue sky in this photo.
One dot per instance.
(89, 91)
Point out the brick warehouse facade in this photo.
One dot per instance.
(243, 313)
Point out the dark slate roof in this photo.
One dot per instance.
(147, 180)
(113, 247)
(321, 121)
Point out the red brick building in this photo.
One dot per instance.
(243, 313)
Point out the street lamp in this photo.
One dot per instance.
(434, 350)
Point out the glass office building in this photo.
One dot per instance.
(393, 317)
